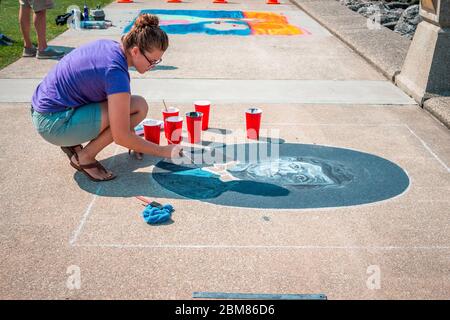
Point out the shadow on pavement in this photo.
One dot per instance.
(64, 49)
(130, 183)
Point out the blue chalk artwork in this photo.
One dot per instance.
(220, 22)
(300, 176)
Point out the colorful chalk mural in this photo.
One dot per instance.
(301, 176)
(240, 23)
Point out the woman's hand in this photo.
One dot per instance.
(171, 151)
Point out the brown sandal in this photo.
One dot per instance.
(70, 151)
(95, 164)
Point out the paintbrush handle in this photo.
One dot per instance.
(144, 199)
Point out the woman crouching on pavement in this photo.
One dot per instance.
(86, 98)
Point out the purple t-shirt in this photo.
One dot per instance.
(87, 74)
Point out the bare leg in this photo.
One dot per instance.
(24, 21)
(138, 111)
(40, 25)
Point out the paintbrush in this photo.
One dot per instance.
(144, 199)
(184, 154)
(224, 176)
(147, 202)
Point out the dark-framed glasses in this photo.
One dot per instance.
(152, 62)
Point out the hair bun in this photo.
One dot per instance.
(146, 20)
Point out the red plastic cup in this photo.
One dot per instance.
(253, 122)
(152, 130)
(194, 126)
(203, 106)
(172, 128)
(171, 112)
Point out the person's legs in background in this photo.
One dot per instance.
(40, 14)
(40, 24)
(24, 22)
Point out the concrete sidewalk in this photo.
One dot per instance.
(382, 48)
(54, 219)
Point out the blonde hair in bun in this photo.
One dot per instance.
(146, 34)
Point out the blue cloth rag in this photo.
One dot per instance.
(155, 215)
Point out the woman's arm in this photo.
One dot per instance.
(119, 121)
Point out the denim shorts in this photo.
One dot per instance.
(37, 5)
(69, 127)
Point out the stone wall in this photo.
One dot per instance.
(401, 16)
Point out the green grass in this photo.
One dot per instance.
(9, 25)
